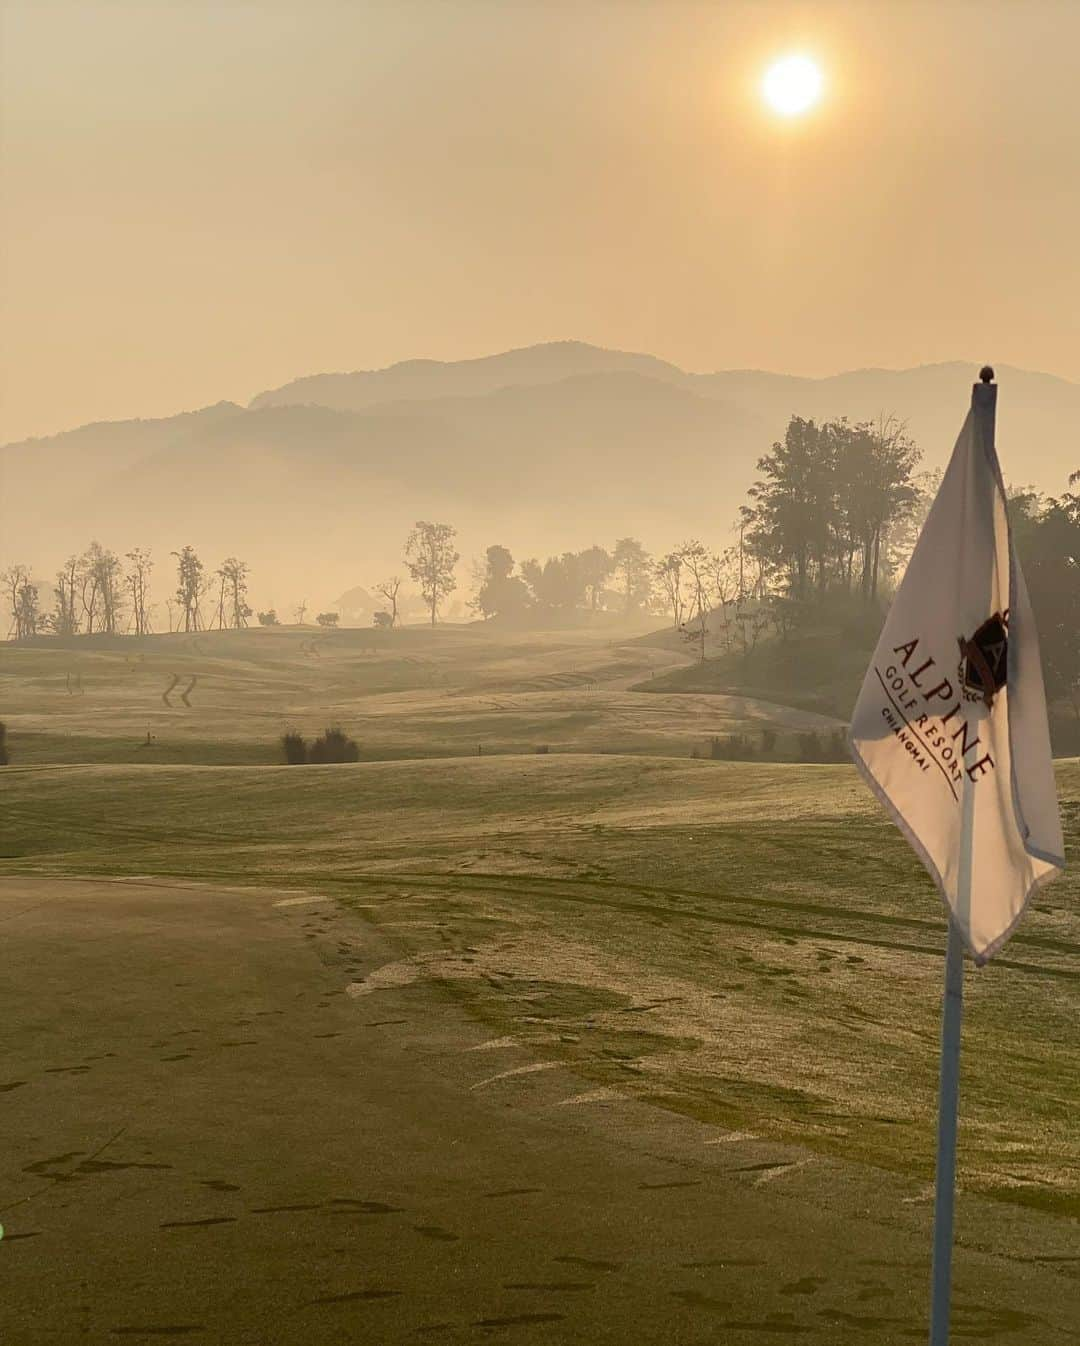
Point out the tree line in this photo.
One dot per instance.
(831, 507)
(833, 514)
(96, 593)
(1046, 532)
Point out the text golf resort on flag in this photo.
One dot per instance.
(950, 728)
(981, 673)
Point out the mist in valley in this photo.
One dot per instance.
(461, 467)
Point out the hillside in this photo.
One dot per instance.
(544, 449)
(455, 691)
(425, 379)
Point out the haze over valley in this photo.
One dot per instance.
(511, 625)
(544, 449)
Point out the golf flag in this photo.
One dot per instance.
(950, 727)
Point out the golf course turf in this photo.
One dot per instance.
(720, 949)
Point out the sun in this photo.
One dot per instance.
(792, 85)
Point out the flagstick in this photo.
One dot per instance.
(984, 408)
(952, 1013)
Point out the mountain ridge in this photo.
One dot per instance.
(585, 446)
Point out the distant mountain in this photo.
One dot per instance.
(1039, 417)
(552, 447)
(1038, 414)
(421, 380)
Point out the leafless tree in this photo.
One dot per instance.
(300, 612)
(388, 589)
(668, 571)
(699, 565)
(190, 587)
(138, 583)
(221, 600)
(233, 575)
(65, 618)
(99, 577)
(22, 598)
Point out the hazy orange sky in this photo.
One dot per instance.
(204, 200)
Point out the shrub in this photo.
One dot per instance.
(295, 748)
(328, 618)
(543, 748)
(268, 618)
(334, 745)
(383, 620)
(4, 758)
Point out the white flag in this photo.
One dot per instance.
(951, 719)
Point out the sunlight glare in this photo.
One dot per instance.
(792, 85)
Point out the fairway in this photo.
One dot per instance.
(263, 1132)
(749, 944)
(747, 947)
(412, 692)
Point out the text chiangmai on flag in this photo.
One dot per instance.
(953, 702)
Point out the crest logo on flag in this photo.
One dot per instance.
(984, 660)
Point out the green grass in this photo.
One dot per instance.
(748, 944)
(410, 693)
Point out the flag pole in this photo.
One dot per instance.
(983, 408)
(949, 1092)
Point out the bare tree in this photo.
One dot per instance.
(699, 565)
(233, 574)
(668, 572)
(100, 580)
(388, 589)
(431, 558)
(727, 572)
(22, 597)
(13, 579)
(301, 609)
(191, 585)
(220, 574)
(138, 583)
(65, 618)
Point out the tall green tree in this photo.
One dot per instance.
(1047, 538)
(595, 566)
(792, 515)
(558, 584)
(500, 592)
(873, 466)
(828, 495)
(632, 565)
(431, 557)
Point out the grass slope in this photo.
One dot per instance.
(749, 944)
(414, 692)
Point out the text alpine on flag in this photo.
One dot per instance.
(952, 713)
